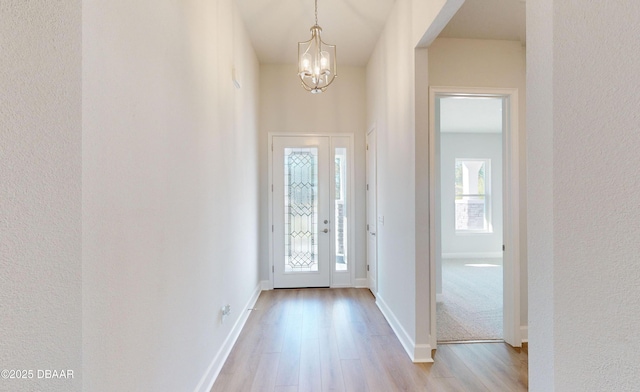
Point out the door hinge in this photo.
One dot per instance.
(367, 186)
(271, 187)
(367, 267)
(503, 248)
(273, 269)
(272, 228)
(367, 227)
(367, 146)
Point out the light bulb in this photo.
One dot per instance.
(306, 63)
(324, 60)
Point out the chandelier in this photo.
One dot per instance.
(316, 61)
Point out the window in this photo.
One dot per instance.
(472, 196)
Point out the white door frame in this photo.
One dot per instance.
(338, 278)
(510, 205)
(372, 190)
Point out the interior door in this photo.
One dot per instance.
(372, 239)
(301, 212)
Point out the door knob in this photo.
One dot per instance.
(325, 230)
(326, 221)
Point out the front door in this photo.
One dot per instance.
(301, 212)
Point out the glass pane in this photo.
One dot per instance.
(471, 194)
(458, 179)
(481, 180)
(470, 213)
(301, 209)
(341, 209)
(470, 177)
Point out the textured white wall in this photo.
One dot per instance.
(584, 59)
(285, 107)
(170, 189)
(465, 145)
(40, 195)
(488, 63)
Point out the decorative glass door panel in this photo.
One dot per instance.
(301, 213)
(301, 209)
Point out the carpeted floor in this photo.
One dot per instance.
(471, 301)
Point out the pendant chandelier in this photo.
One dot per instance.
(316, 61)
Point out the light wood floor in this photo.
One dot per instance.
(337, 340)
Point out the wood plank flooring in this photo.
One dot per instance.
(337, 340)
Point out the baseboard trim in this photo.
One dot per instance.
(362, 283)
(422, 353)
(210, 376)
(265, 285)
(524, 333)
(472, 255)
(417, 353)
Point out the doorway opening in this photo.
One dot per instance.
(474, 225)
(469, 270)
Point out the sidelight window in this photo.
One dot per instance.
(340, 220)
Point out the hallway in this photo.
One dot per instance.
(337, 339)
(134, 202)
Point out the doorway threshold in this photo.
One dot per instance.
(471, 341)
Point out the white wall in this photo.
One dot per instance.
(477, 146)
(583, 161)
(40, 195)
(390, 108)
(488, 63)
(397, 78)
(285, 107)
(540, 196)
(170, 189)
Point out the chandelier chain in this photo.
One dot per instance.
(316, 12)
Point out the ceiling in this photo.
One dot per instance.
(488, 19)
(276, 26)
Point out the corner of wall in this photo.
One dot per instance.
(419, 353)
(265, 285)
(524, 333)
(362, 283)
